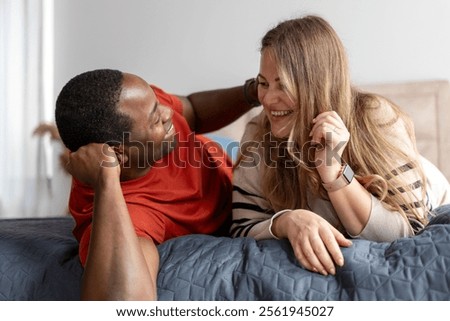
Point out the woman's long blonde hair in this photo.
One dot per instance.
(313, 67)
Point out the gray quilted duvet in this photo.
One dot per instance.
(38, 261)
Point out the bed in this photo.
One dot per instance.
(38, 256)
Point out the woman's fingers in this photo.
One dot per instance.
(332, 240)
(326, 126)
(315, 254)
(302, 259)
(342, 241)
(322, 253)
(316, 243)
(328, 118)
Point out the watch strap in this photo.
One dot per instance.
(345, 178)
(248, 86)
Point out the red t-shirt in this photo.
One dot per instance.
(186, 192)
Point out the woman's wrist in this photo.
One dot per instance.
(274, 227)
(330, 173)
(343, 179)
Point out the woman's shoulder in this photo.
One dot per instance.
(250, 144)
(438, 185)
(381, 110)
(252, 128)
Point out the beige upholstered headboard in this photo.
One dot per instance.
(427, 102)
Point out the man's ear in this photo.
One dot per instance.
(121, 154)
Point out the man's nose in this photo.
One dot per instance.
(166, 113)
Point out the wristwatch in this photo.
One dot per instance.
(252, 82)
(345, 178)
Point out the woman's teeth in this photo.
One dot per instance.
(280, 113)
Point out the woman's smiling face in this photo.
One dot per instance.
(279, 108)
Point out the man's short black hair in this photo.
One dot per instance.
(87, 109)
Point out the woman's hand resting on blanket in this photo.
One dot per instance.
(316, 243)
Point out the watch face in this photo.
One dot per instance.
(344, 179)
(348, 173)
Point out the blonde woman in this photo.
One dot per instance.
(324, 162)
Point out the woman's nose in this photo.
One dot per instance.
(271, 96)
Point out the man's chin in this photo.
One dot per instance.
(169, 146)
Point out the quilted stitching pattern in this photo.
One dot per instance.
(202, 267)
(38, 261)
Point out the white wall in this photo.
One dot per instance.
(189, 45)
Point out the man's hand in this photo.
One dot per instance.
(93, 162)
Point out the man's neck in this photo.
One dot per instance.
(132, 173)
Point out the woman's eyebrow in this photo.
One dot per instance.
(261, 76)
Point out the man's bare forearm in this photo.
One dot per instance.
(215, 109)
(116, 268)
